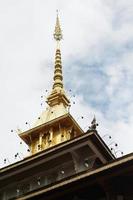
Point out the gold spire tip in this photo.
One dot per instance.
(57, 31)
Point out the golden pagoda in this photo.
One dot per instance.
(55, 124)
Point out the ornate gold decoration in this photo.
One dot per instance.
(55, 124)
(57, 32)
(58, 71)
(58, 95)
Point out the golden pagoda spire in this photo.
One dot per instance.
(58, 67)
(58, 95)
(57, 32)
(58, 78)
(55, 124)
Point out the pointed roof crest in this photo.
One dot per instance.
(57, 32)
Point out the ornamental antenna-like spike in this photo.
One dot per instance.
(58, 95)
(57, 31)
(93, 124)
(58, 78)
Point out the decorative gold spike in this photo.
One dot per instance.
(57, 32)
(58, 96)
(58, 71)
(58, 78)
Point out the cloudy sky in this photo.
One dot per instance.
(97, 56)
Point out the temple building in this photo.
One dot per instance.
(65, 162)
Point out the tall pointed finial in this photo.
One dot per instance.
(57, 31)
(58, 95)
(58, 78)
